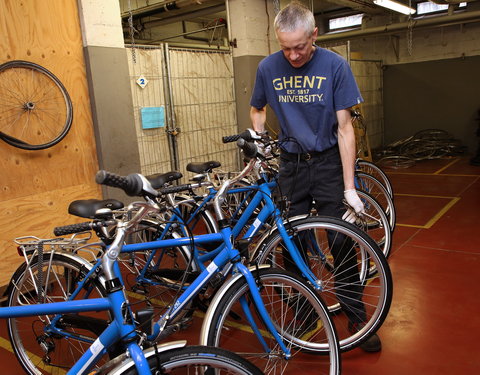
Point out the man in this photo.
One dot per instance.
(311, 89)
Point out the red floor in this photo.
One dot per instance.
(435, 314)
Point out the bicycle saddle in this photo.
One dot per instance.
(160, 179)
(88, 207)
(205, 167)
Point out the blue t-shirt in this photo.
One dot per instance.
(305, 99)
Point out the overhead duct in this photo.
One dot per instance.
(465, 17)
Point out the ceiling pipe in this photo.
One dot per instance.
(465, 17)
(154, 22)
(164, 6)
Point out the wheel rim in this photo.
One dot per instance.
(35, 108)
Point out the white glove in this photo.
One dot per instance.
(354, 201)
(355, 206)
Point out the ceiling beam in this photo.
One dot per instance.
(448, 20)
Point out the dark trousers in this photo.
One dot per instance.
(317, 179)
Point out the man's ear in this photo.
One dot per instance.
(315, 33)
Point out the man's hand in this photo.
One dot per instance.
(354, 201)
(355, 206)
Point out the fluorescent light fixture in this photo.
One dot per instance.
(397, 7)
(429, 7)
(343, 22)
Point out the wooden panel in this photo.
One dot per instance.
(35, 215)
(36, 186)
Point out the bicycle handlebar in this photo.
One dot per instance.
(246, 135)
(134, 184)
(250, 149)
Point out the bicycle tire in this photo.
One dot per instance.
(295, 309)
(396, 162)
(376, 289)
(371, 185)
(375, 223)
(209, 359)
(36, 111)
(27, 342)
(374, 170)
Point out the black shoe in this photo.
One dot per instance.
(373, 343)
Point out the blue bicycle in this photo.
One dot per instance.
(74, 333)
(359, 292)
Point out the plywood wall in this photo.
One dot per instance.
(37, 186)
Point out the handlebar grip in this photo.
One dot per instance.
(131, 184)
(72, 228)
(175, 189)
(230, 138)
(246, 135)
(249, 149)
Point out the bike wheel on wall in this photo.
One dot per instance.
(35, 108)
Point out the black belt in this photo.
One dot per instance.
(307, 155)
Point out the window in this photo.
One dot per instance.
(427, 7)
(345, 22)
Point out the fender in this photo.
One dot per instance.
(122, 363)
(216, 300)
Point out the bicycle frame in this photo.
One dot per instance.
(122, 328)
(225, 255)
(119, 329)
(263, 191)
(116, 331)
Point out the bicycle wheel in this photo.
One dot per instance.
(340, 255)
(375, 223)
(35, 109)
(153, 278)
(375, 171)
(193, 360)
(396, 162)
(198, 221)
(40, 347)
(372, 186)
(301, 318)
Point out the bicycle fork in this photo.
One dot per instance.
(257, 299)
(297, 258)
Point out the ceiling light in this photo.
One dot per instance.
(396, 6)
